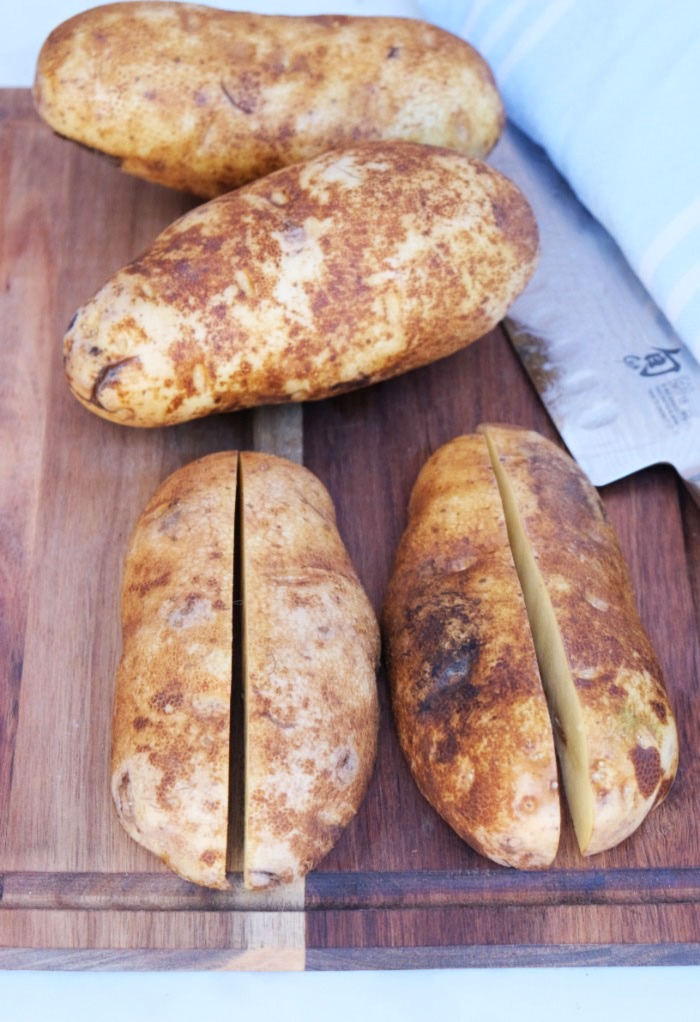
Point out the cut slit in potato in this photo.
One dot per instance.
(565, 708)
(311, 648)
(613, 724)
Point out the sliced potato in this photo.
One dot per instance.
(614, 727)
(468, 703)
(206, 100)
(310, 647)
(311, 653)
(357, 266)
(467, 700)
(170, 752)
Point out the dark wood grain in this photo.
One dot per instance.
(501, 956)
(399, 889)
(352, 890)
(334, 959)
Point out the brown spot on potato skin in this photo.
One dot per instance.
(108, 376)
(660, 709)
(171, 695)
(141, 588)
(647, 768)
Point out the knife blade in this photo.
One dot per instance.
(620, 386)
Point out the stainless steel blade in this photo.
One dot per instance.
(622, 389)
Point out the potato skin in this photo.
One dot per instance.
(206, 100)
(627, 717)
(311, 654)
(170, 735)
(359, 265)
(467, 698)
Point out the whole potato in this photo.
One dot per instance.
(356, 266)
(206, 100)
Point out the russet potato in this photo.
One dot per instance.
(206, 100)
(460, 626)
(309, 645)
(356, 266)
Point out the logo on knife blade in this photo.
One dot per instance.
(655, 363)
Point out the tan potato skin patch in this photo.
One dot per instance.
(205, 100)
(356, 266)
(468, 704)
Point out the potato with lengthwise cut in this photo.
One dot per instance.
(468, 703)
(460, 625)
(310, 649)
(356, 266)
(206, 100)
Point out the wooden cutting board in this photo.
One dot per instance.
(400, 889)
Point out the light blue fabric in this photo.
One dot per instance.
(611, 89)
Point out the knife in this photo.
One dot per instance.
(620, 386)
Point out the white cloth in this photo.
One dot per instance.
(611, 89)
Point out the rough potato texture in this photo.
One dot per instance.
(206, 100)
(311, 653)
(628, 721)
(359, 265)
(468, 703)
(170, 754)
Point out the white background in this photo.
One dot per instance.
(482, 995)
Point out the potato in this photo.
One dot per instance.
(207, 100)
(171, 729)
(467, 701)
(468, 704)
(614, 727)
(310, 645)
(311, 653)
(359, 265)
